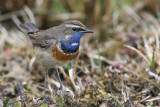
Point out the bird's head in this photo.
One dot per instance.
(73, 31)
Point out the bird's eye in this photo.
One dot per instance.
(74, 29)
(78, 29)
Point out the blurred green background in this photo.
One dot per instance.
(103, 16)
(93, 13)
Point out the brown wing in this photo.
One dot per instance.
(39, 38)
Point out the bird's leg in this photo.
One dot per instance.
(45, 82)
(61, 86)
(45, 100)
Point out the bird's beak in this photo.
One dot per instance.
(88, 31)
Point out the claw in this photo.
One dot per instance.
(47, 101)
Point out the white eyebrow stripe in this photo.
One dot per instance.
(69, 25)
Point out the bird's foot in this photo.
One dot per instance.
(47, 101)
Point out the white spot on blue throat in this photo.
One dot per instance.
(74, 44)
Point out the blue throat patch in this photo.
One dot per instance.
(68, 46)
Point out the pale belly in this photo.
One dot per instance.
(46, 59)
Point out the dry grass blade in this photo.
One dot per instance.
(57, 84)
(101, 58)
(71, 76)
(153, 99)
(76, 63)
(138, 52)
(64, 74)
(143, 100)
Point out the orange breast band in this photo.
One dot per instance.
(60, 56)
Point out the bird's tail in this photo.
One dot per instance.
(28, 28)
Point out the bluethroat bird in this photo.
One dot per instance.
(55, 46)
